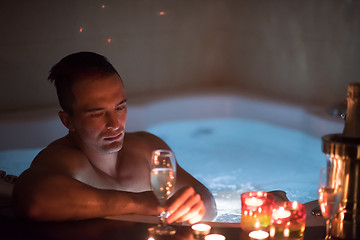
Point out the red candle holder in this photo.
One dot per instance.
(256, 210)
(288, 220)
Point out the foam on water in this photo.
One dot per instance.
(231, 156)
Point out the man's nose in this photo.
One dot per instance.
(112, 121)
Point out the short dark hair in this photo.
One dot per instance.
(75, 67)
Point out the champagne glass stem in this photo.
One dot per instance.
(163, 215)
(162, 219)
(328, 226)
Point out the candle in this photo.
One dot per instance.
(201, 229)
(254, 202)
(256, 210)
(288, 220)
(215, 237)
(280, 214)
(259, 234)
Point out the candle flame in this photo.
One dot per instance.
(281, 213)
(254, 202)
(272, 231)
(286, 232)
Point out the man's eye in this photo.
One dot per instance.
(94, 115)
(119, 108)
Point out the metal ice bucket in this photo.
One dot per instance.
(345, 152)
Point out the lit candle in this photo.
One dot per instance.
(254, 202)
(257, 224)
(288, 220)
(201, 229)
(256, 210)
(259, 234)
(272, 231)
(215, 237)
(286, 232)
(281, 213)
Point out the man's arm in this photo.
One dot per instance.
(47, 192)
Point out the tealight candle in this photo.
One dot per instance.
(280, 214)
(201, 229)
(253, 202)
(256, 210)
(288, 220)
(215, 237)
(259, 234)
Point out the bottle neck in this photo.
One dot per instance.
(352, 120)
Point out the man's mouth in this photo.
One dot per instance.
(113, 137)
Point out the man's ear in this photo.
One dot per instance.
(66, 120)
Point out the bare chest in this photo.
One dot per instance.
(132, 177)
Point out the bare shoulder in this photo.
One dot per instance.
(60, 156)
(140, 145)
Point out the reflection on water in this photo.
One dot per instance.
(232, 156)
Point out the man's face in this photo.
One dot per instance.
(99, 113)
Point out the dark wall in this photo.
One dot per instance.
(304, 51)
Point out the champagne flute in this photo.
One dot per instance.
(330, 192)
(163, 177)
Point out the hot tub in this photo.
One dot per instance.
(231, 143)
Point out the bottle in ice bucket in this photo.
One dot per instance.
(344, 150)
(352, 119)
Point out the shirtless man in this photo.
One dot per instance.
(98, 169)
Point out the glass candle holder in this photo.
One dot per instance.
(288, 221)
(256, 210)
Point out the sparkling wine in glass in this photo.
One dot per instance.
(163, 177)
(330, 192)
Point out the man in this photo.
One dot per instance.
(98, 169)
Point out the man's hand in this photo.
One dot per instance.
(147, 204)
(186, 206)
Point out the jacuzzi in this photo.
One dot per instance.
(231, 143)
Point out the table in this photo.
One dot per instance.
(112, 229)
(14, 228)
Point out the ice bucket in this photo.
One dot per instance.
(345, 151)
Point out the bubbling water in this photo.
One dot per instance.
(231, 156)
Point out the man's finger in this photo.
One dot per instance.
(192, 203)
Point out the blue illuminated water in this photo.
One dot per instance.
(231, 156)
